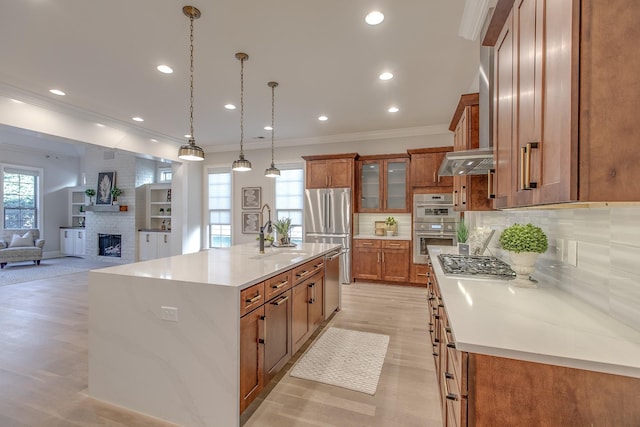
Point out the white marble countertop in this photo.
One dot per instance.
(544, 325)
(239, 266)
(385, 237)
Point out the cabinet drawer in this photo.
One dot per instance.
(308, 269)
(395, 244)
(367, 243)
(277, 284)
(251, 298)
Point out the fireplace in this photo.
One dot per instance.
(110, 245)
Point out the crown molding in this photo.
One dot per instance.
(473, 16)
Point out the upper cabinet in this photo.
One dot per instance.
(469, 191)
(383, 183)
(564, 126)
(425, 163)
(330, 171)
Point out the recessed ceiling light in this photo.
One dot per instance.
(323, 118)
(154, 140)
(230, 107)
(137, 119)
(187, 136)
(57, 92)
(268, 128)
(374, 18)
(164, 69)
(100, 125)
(393, 109)
(386, 76)
(16, 101)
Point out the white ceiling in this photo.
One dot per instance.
(103, 54)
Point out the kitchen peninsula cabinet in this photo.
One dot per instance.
(383, 183)
(381, 259)
(330, 171)
(425, 163)
(308, 303)
(573, 67)
(470, 192)
(251, 356)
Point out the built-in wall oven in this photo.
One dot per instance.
(434, 223)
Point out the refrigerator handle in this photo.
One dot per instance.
(329, 211)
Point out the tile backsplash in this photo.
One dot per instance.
(365, 224)
(607, 275)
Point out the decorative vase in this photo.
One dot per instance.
(463, 249)
(523, 264)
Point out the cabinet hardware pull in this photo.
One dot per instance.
(421, 274)
(394, 244)
(165, 238)
(448, 394)
(448, 376)
(434, 176)
(254, 299)
(147, 238)
(525, 166)
(522, 159)
(304, 273)
(366, 244)
(490, 193)
(317, 266)
(383, 257)
(448, 343)
(264, 330)
(280, 301)
(464, 195)
(279, 285)
(261, 340)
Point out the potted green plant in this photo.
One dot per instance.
(523, 244)
(462, 234)
(283, 226)
(90, 192)
(115, 192)
(392, 226)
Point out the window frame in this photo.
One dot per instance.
(38, 173)
(292, 166)
(208, 211)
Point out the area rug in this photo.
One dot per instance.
(345, 358)
(14, 273)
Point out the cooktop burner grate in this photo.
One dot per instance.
(476, 266)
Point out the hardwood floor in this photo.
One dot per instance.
(43, 364)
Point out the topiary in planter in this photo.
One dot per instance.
(524, 238)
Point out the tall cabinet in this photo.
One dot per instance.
(154, 221)
(72, 236)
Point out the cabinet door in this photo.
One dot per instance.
(395, 188)
(366, 263)
(277, 345)
(370, 188)
(315, 291)
(164, 245)
(340, 173)
(395, 265)
(299, 316)
(424, 171)
(148, 245)
(78, 242)
(66, 242)
(251, 356)
(317, 174)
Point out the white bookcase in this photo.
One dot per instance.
(77, 214)
(156, 202)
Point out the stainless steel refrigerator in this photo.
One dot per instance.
(327, 219)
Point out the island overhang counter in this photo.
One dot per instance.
(164, 335)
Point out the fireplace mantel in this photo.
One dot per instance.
(105, 208)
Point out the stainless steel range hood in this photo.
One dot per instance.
(467, 162)
(477, 161)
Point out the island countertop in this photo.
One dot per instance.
(238, 266)
(544, 325)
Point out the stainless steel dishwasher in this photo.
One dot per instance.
(332, 293)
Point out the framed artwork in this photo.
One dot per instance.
(251, 197)
(250, 223)
(106, 181)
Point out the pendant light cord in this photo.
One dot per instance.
(273, 90)
(192, 138)
(241, 105)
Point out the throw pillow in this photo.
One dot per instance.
(17, 241)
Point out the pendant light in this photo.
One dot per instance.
(191, 151)
(272, 171)
(242, 164)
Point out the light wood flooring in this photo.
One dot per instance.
(43, 364)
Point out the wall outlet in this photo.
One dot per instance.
(169, 313)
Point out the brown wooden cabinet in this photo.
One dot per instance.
(377, 259)
(330, 171)
(470, 192)
(570, 101)
(425, 163)
(251, 356)
(277, 344)
(383, 183)
(308, 308)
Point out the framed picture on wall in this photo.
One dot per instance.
(106, 181)
(250, 223)
(251, 197)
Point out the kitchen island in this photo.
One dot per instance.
(164, 335)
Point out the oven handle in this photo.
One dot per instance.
(419, 234)
(432, 205)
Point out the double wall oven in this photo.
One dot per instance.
(434, 223)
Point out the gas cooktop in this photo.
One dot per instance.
(476, 266)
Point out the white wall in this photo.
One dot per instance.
(59, 172)
(607, 274)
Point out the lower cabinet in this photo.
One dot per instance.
(153, 245)
(277, 317)
(377, 259)
(72, 242)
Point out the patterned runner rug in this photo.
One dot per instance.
(345, 358)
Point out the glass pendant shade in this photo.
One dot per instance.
(241, 165)
(191, 151)
(272, 171)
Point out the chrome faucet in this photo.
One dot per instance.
(266, 225)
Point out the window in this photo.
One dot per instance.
(20, 196)
(164, 175)
(219, 209)
(290, 199)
